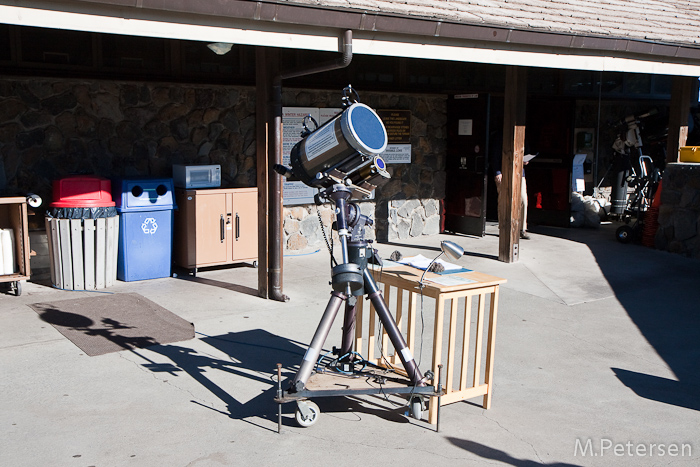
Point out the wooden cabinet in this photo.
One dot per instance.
(215, 227)
(14, 242)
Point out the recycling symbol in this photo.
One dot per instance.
(149, 226)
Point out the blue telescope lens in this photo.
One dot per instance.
(368, 128)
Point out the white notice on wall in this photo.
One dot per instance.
(465, 127)
(397, 154)
(577, 180)
(326, 114)
(292, 127)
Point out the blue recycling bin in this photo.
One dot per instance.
(145, 207)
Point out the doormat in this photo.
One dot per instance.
(114, 322)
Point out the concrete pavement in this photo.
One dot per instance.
(597, 359)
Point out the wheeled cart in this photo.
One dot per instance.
(15, 242)
(369, 382)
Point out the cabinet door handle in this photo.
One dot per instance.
(238, 226)
(223, 229)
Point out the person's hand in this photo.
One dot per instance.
(498, 178)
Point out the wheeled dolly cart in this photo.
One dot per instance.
(372, 382)
(13, 215)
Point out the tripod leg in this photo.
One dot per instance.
(392, 330)
(314, 350)
(349, 327)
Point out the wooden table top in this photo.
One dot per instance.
(408, 277)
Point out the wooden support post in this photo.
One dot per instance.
(509, 205)
(263, 121)
(681, 90)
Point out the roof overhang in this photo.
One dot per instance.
(301, 27)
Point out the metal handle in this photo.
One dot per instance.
(238, 226)
(223, 229)
(279, 398)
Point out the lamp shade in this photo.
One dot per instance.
(451, 249)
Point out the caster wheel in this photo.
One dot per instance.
(624, 234)
(416, 408)
(255, 264)
(16, 288)
(310, 418)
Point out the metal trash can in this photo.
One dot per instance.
(145, 207)
(82, 228)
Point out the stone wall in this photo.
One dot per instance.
(413, 218)
(408, 204)
(679, 213)
(302, 228)
(52, 128)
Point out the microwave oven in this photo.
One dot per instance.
(197, 176)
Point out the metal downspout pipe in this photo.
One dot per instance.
(275, 180)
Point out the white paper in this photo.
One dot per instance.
(326, 114)
(386, 264)
(292, 126)
(465, 127)
(528, 157)
(577, 180)
(397, 154)
(421, 262)
(450, 280)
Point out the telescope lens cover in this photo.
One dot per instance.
(364, 130)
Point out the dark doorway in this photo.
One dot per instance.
(467, 163)
(549, 133)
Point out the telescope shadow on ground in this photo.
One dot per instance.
(253, 356)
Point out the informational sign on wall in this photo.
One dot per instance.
(292, 126)
(465, 127)
(398, 129)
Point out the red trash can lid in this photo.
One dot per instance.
(82, 191)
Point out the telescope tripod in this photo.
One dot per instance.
(351, 280)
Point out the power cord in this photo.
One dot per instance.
(329, 244)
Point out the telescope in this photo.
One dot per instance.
(344, 150)
(342, 159)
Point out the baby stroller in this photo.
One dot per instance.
(634, 171)
(644, 180)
